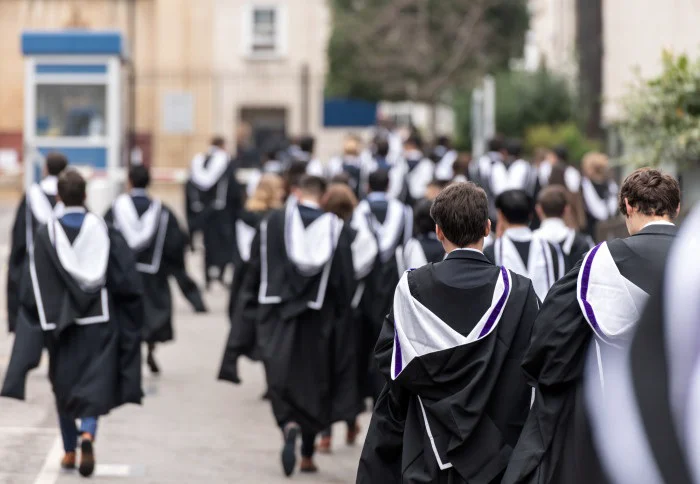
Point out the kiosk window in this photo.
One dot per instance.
(76, 111)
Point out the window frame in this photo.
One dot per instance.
(280, 34)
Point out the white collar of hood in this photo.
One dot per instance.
(244, 239)
(519, 234)
(611, 303)
(50, 185)
(540, 266)
(364, 247)
(87, 257)
(391, 233)
(310, 248)
(39, 204)
(205, 178)
(137, 230)
(600, 208)
(419, 332)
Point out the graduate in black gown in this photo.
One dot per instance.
(646, 422)
(36, 208)
(269, 195)
(599, 191)
(424, 246)
(301, 274)
(153, 234)
(341, 201)
(519, 249)
(552, 208)
(80, 298)
(418, 170)
(455, 398)
(392, 224)
(593, 309)
(213, 199)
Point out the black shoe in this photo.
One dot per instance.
(289, 451)
(87, 458)
(229, 372)
(152, 365)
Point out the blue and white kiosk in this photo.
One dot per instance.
(75, 103)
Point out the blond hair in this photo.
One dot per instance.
(265, 195)
(595, 166)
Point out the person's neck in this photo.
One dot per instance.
(637, 223)
(450, 247)
(510, 226)
(309, 201)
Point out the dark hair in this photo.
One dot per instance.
(295, 171)
(340, 200)
(516, 206)
(514, 148)
(441, 184)
(382, 147)
(379, 181)
(423, 223)
(652, 192)
(313, 185)
(443, 141)
(562, 153)
(139, 176)
(218, 141)
(415, 140)
(307, 143)
(342, 177)
(462, 213)
(553, 200)
(495, 144)
(71, 188)
(55, 163)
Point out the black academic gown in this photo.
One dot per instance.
(25, 225)
(93, 368)
(242, 308)
(309, 375)
(473, 396)
(379, 294)
(555, 432)
(162, 256)
(574, 252)
(213, 212)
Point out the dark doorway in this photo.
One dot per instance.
(266, 132)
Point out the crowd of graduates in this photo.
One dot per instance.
(467, 299)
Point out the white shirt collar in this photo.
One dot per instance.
(68, 210)
(659, 222)
(138, 192)
(519, 234)
(376, 196)
(309, 204)
(466, 249)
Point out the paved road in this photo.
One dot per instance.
(191, 428)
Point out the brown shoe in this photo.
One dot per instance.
(324, 445)
(307, 465)
(68, 461)
(352, 434)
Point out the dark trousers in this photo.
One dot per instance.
(70, 432)
(308, 444)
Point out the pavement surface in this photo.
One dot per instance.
(190, 429)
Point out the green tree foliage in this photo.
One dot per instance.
(567, 134)
(661, 120)
(419, 49)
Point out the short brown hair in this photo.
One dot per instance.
(71, 188)
(55, 163)
(462, 212)
(313, 185)
(340, 200)
(652, 192)
(553, 200)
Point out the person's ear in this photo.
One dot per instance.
(488, 228)
(629, 209)
(440, 234)
(678, 210)
(539, 211)
(567, 212)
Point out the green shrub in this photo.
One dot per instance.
(567, 134)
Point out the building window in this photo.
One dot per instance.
(75, 111)
(265, 31)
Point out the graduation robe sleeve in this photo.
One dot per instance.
(125, 286)
(15, 266)
(553, 365)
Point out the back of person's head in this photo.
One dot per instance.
(423, 223)
(516, 206)
(495, 144)
(541, 154)
(462, 213)
(443, 141)
(379, 181)
(313, 186)
(55, 163)
(218, 141)
(71, 188)
(343, 178)
(295, 171)
(268, 195)
(651, 192)
(139, 177)
(562, 153)
(351, 146)
(435, 187)
(553, 201)
(307, 143)
(595, 166)
(414, 142)
(382, 147)
(514, 148)
(339, 200)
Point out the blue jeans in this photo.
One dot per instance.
(69, 431)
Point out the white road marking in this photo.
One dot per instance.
(112, 470)
(52, 464)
